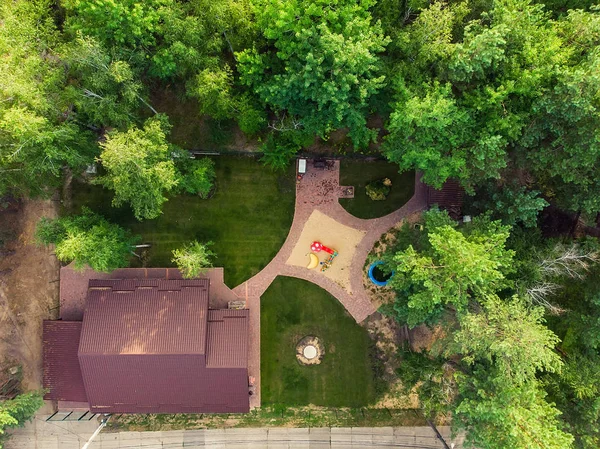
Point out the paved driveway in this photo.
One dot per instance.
(69, 435)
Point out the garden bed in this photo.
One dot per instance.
(359, 173)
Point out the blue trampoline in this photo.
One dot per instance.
(375, 281)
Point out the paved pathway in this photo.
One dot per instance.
(43, 435)
(320, 190)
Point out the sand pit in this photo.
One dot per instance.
(343, 239)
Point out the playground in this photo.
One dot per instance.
(343, 239)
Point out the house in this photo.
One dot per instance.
(146, 344)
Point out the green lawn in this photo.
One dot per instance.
(291, 309)
(359, 173)
(248, 218)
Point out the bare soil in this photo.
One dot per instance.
(28, 289)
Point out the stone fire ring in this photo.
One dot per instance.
(310, 351)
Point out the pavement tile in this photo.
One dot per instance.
(277, 445)
(106, 444)
(47, 443)
(194, 438)
(171, 438)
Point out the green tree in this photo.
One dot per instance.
(455, 267)
(278, 151)
(509, 335)
(577, 394)
(509, 202)
(496, 414)
(197, 176)
(37, 139)
(193, 259)
(214, 89)
(485, 372)
(139, 168)
(319, 63)
(105, 91)
(117, 23)
(87, 239)
(562, 143)
(508, 89)
(16, 412)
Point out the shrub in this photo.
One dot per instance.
(379, 190)
(193, 259)
(87, 239)
(198, 177)
(278, 152)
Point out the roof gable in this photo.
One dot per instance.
(145, 317)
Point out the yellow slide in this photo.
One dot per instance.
(314, 261)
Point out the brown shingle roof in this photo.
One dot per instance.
(227, 336)
(144, 349)
(74, 285)
(62, 375)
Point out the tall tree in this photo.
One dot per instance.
(105, 91)
(319, 63)
(139, 168)
(87, 239)
(510, 89)
(125, 23)
(37, 137)
(496, 414)
(454, 267)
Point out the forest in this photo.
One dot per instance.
(502, 96)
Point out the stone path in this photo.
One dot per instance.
(320, 190)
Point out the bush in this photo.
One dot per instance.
(198, 177)
(278, 151)
(379, 190)
(193, 259)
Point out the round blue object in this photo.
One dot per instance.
(375, 281)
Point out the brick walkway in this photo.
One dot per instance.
(320, 190)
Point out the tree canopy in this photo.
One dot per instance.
(87, 239)
(510, 87)
(17, 411)
(319, 63)
(485, 369)
(139, 168)
(453, 267)
(193, 258)
(37, 139)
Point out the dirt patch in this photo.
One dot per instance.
(388, 336)
(28, 289)
(384, 295)
(423, 338)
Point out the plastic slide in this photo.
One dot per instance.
(314, 261)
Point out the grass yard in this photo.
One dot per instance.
(291, 309)
(359, 173)
(248, 218)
